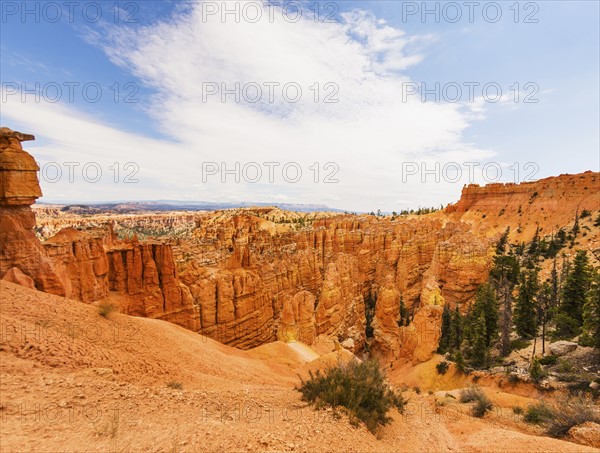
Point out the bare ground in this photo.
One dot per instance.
(72, 380)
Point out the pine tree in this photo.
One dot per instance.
(575, 229)
(485, 307)
(534, 245)
(404, 317)
(456, 329)
(501, 246)
(525, 309)
(480, 351)
(446, 329)
(504, 276)
(369, 314)
(575, 288)
(555, 286)
(591, 313)
(544, 309)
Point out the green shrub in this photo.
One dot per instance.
(567, 377)
(482, 406)
(566, 327)
(105, 308)
(519, 344)
(358, 387)
(538, 413)
(513, 379)
(564, 366)
(459, 362)
(518, 410)
(536, 371)
(548, 360)
(571, 412)
(482, 403)
(442, 367)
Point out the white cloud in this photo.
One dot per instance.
(369, 133)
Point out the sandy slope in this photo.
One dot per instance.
(72, 380)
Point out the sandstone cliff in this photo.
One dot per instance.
(250, 276)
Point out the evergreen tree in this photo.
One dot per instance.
(501, 246)
(525, 310)
(575, 229)
(480, 351)
(555, 287)
(591, 313)
(456, 329)
(544, 309)
(404, 316)
(486, 308)
(534, 244)
(446, 330)
(369, 314)
(575, 288)
(504, 276)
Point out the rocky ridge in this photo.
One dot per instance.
(250, 276)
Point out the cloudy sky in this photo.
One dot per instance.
(355, 105)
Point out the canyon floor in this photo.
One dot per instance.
(73, 380)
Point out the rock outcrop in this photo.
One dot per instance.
(549, 203)
(85, 265)
(19, 188)
(250, 276)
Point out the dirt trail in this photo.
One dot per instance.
(72, 380)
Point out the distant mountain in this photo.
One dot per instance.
(176, 205)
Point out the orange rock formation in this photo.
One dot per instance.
(249, 276)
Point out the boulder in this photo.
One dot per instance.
(348, 343)
(562, 347)
(15, 275)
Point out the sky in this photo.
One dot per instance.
(355, 105)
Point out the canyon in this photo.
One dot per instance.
(190, 331)
(250, 276)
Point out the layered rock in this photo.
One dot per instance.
(549, 203)
(84, 265)
(19, 188)
(145, 274)
(246, 277)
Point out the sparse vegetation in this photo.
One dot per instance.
(482, 402)
(548, 360)
(469, 394)
(570, 412)
(519, 344)
(175, 385)
(442, 367)
(513, 379)
(359, 387)
(564, 366)
(536, 371)
(518, 410)
(567, 413)
(105, 309)
(538, 413)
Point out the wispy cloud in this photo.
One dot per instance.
(369, 133)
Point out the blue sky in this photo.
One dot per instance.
(369, 143)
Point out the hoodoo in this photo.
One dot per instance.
(21, 252)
